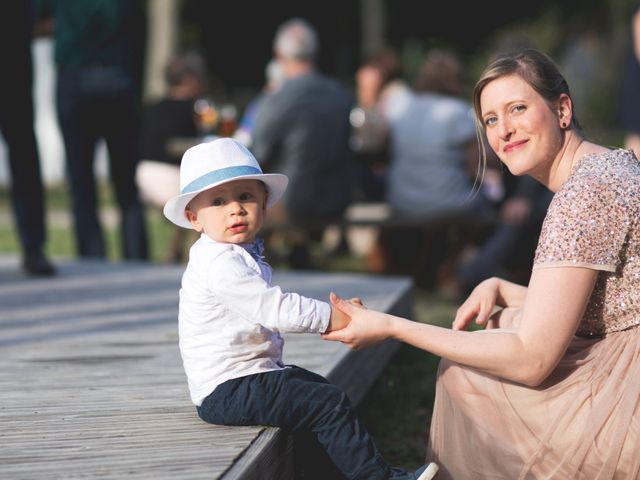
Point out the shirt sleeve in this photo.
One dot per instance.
(585, 226)
(243, 290)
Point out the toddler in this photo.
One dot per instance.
(231, 316)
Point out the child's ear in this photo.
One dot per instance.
(193, 220)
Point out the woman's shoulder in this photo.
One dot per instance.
(604, 182)
(607, 158)
(618, 168)
(590, 216)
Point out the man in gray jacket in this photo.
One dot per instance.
(302, 131)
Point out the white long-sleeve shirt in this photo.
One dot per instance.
(230, 316)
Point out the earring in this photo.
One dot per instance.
(563, 125)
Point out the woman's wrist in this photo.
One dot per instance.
(508, 294)
(394, 329)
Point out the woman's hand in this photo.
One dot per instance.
(339, 319)
(505, 318)
(479, 305)
(366, 328)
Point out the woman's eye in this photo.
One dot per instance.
(519, 108)
(490, 121)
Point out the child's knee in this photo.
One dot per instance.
(336, 399)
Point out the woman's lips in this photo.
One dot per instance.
(513, 146)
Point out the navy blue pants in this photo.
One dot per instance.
(100, 103)
(16, 126)
(300, 401)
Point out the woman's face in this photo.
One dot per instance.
(521, 127)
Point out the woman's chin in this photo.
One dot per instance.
(516, 169)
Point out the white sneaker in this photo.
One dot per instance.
(429, 472)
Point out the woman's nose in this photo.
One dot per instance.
(505, 129)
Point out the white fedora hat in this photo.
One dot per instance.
(210, 164)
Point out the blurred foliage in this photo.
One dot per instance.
(587, 40)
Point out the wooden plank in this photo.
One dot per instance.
(92, 385)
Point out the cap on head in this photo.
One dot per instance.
(210, 164)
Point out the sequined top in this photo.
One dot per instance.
(593, 221)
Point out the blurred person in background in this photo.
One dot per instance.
(378, 80)
(509, 248)
(302, 130)
(169, 119)
(16, 125)
(247, 124)
(98, 54)
(433, 144)
(629, 104)
(433, 163)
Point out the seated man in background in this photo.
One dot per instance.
(302, 130)
(158, 173)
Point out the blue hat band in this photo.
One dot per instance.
(220, 176)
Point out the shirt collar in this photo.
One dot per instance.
(255, 249)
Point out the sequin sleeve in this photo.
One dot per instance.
(584, 227)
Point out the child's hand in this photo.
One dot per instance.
(339, 319)
(365, 328)
(354, 300)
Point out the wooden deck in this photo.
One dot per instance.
(92, 386)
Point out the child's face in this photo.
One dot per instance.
(230, 213)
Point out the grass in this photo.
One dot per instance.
(60, 242)
(397, 410)
(59, 239)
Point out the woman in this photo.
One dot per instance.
(550, 388)
(166, 120)
(378, 84)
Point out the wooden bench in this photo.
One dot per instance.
(391, 244)
(92, 385)
(380, 214)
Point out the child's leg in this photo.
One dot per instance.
(298, 400)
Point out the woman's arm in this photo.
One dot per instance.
(554, 305)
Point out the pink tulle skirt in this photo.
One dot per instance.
(582, 423)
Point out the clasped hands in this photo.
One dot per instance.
(363, 328)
